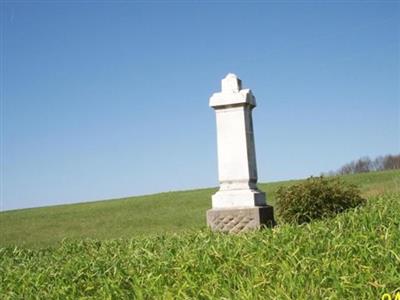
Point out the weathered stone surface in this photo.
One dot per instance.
(238, 205)
(237, 168)
(236, 220)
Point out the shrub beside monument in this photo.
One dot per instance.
(316, 198)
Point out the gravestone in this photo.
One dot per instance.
(238, 205)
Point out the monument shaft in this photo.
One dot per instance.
(236, 153)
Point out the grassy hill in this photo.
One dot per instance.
(143, 215)
(355, 255)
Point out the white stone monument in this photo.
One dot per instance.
(238, 205)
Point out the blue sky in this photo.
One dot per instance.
(105, 100)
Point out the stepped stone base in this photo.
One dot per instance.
(235, 220)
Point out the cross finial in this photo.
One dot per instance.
(231, 84)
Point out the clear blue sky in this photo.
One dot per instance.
(105, 100)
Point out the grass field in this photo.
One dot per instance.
(140, 216)
(137, 249)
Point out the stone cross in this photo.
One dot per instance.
(238, 205)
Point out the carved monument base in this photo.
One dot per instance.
(235, 220)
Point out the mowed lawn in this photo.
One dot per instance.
(142, 215)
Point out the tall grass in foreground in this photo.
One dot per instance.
(353, 256)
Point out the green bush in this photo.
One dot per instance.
(316, 198)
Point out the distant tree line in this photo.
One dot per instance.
(365, 164)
